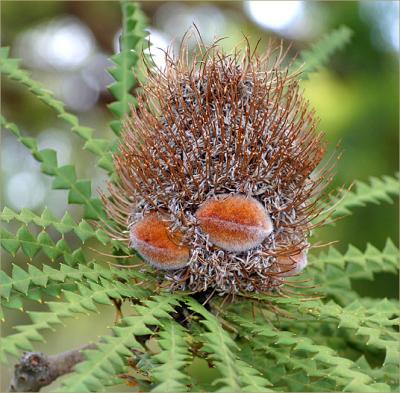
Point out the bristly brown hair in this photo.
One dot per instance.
(214, 124)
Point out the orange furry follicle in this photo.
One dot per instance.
(151, 239)
(235, 222)
(292, 265)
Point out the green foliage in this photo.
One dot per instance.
(107, 359)
(300, 354)
(327, 340)
(31, 245)
(174, 356)
(94, 285)
(64, 225)
(372, 328)
(237, 375)
(24, 281)
(99, 147)
(375, 323)
(80, 191)
(125, 62)
(376, 191)
(311, 60)
(333, 272)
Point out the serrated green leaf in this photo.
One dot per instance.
(313, 59)
(111, 352)
(97, 146)
(379, 190)
(94, 210)
(132, 40)
(236, 376)
(21, 279)
(84, 132)
(7, 214)
(37, 277)
(26, 216)
(169, 375)
(48, 245)
(333, 271)
(47, 218)
(84, 231)
(8, 241)
(30, 143)
(102, 236)
(15, 302)
(5, 285)
(28, 243)
(11, 68)
(48, 157)
(81, 192)
(65, 176)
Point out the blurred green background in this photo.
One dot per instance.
(66, 45)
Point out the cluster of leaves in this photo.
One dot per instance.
(260, 343)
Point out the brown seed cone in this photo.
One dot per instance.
(222, 124)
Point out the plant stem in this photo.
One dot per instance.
(36, 370)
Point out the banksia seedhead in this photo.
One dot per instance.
(217, 185)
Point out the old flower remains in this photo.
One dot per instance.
(217, 171)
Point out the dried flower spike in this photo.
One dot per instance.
(151, 239)
(225, 146)
(234, 222)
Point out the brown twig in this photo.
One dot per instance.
(36, 370)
